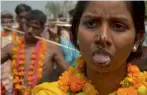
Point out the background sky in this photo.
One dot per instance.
(11, 5)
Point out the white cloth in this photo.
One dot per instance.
(7, 78)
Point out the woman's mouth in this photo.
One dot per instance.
(100, 57)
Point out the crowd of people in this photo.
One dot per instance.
(101, 43)
(34, 22)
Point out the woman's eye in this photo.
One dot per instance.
(91, 24)
(118, 27)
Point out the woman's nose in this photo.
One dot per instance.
(103, 36)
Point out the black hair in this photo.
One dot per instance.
(21, 8)
(137, 10)
(71, 12)
(37, 15)
(9, 15)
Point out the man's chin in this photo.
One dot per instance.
(30, 38)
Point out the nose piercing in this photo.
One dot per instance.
(97, 39)
(100, 39)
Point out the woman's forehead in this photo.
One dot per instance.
(109, 8)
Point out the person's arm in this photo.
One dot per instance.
(59, 59)
(6, 53)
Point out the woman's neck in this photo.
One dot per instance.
(107, 83)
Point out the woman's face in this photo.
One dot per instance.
(113, 21)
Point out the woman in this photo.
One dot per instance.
(109, 36)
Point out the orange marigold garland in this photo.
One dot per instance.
(18, 62)
(4, 33)
(74, 82)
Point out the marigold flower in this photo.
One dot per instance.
(21, 73)
(15, 73)
(14, 33)
(13, 63)
(15, 81)
(40, 63)
(22, 68)
(64, 81)
(65, 88)
(39, 75)
(33, 62)
(26, 93)
(34, 56)
(80, 64)
(89, 89)
(30, 73)
(21, 80)
(31, 67)
(40, 70)
(132, 68)
(16, 77)
(34, 51)
(30, 83)
(18, 86)
(21, 62)
(14, 49)
(42, 56)
(72, 69)
(30, 78)
(76, 83)
(21, 57)
(126, 91)
(14, 56)
(3, 33)
(19, 42)
(22, 45)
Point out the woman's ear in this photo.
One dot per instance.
(138, 40)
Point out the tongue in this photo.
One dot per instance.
(101, 59)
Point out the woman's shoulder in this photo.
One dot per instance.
(47, 88)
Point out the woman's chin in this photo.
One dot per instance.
(104, 67)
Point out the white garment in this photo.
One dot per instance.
(7, 78)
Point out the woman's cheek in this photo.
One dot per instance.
(123, 45)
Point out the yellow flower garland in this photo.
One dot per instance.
(73, 82)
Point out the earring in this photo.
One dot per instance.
(134, 49)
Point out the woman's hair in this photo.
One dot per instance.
(137, 10)
(21, 8)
